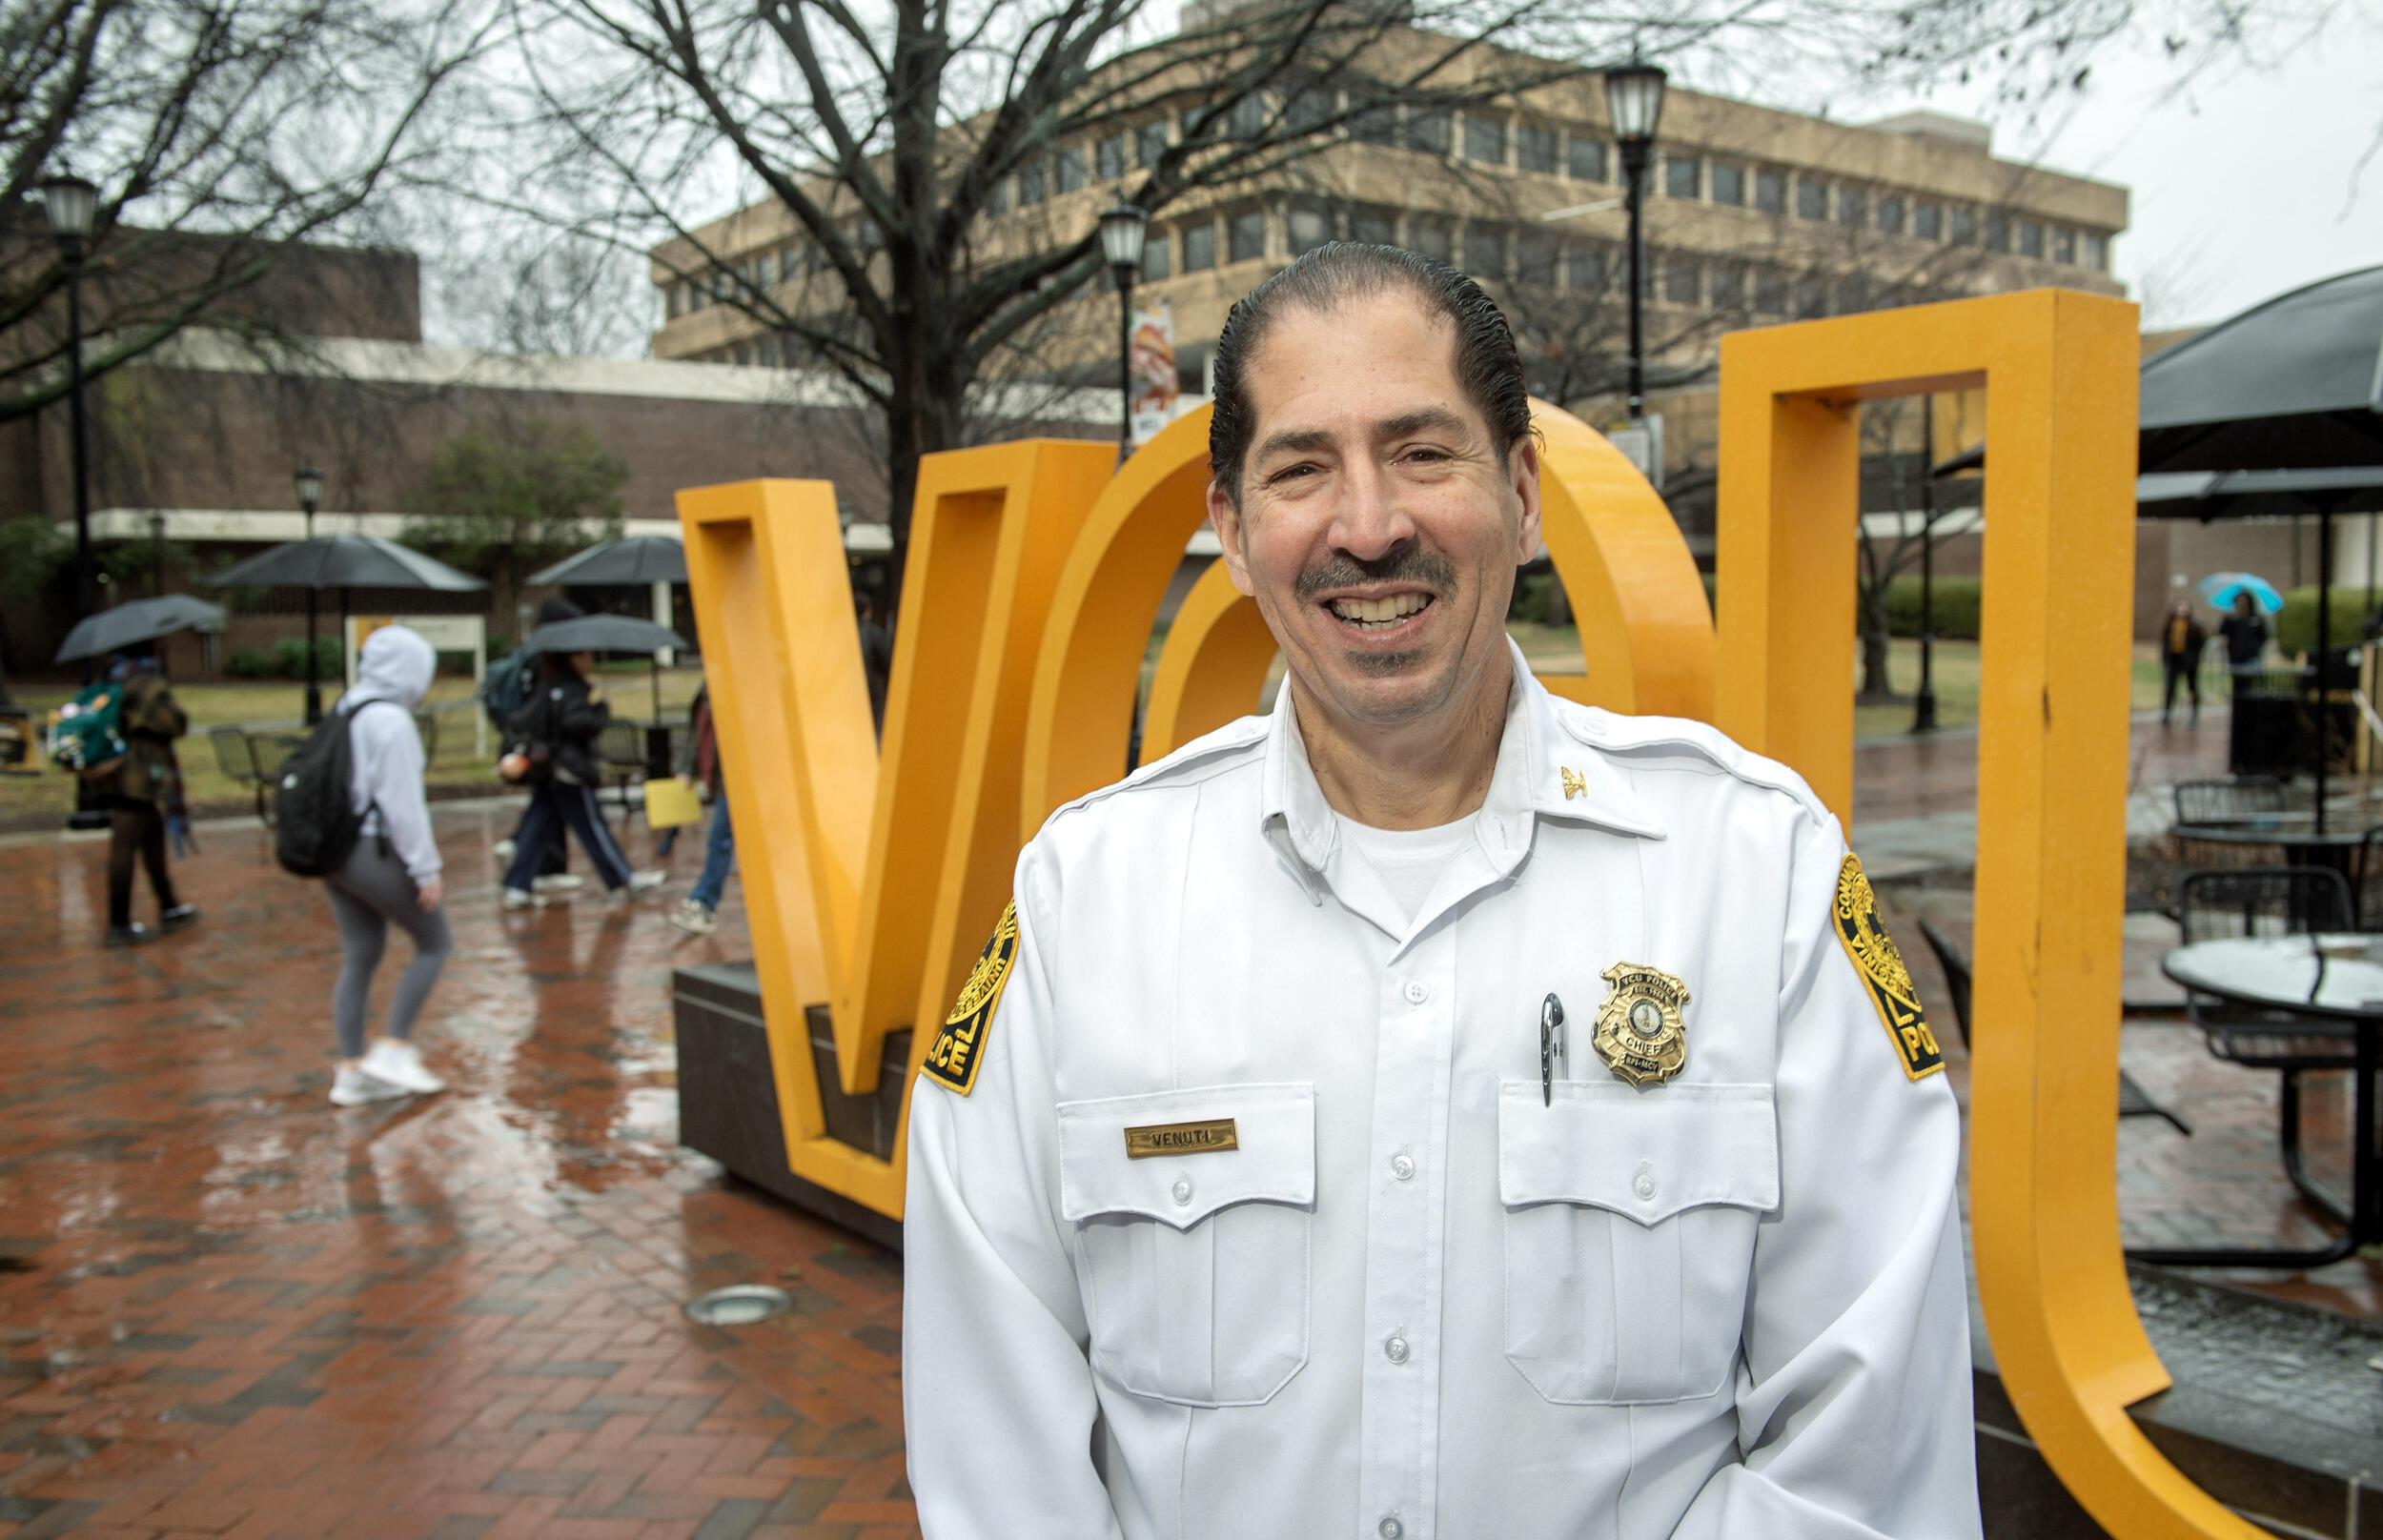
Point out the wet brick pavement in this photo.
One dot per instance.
(228, 1308)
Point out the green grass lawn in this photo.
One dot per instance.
(33, 800)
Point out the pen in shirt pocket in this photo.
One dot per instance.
(1550, 1047)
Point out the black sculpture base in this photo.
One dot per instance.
(728, 1098)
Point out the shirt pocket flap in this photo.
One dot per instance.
(1270, 1156)
(1644, 1154)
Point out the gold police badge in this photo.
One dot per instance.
(1640, 1034)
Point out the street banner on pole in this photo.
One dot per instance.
(1154, 370)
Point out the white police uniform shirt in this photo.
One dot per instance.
(1412, 1300)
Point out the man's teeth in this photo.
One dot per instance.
(1377, 613)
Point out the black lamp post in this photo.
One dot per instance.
(1634, 100)
(310, 493)
(69, 203)
(1924, 705)
(1123, 230)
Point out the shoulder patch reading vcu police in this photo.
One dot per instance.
(960, 1046)
(1883, 972)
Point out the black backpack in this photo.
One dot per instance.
(315, 822)
(530, 733)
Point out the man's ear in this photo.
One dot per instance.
(1227, 521)
(1525, 466)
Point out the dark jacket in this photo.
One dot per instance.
(2245, 638)
(566, 715)
(151, 720)
(699, 757)
(2184, 651)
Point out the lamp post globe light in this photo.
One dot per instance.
(1124, 228)
(1634, 102)
(309, 495)
(70, 203)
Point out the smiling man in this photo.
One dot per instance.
(1434, 1108)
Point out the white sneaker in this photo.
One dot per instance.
(502, 850)
(516, 899)
(558, 882)
(646, 881)
(352, 1087)
(400, 1065)
(694, 918)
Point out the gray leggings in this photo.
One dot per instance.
(367, 895)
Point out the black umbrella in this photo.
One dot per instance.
(143, 619)
(347, 562)
(2292, 385)
(608, 633)
(634, 559)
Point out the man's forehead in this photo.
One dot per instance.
(1376, 364)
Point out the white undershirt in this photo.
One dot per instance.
(1410, 861)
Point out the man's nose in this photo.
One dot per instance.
(1371, 518)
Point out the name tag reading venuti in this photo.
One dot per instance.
(1180, 1139)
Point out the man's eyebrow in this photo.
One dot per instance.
(1428, 419)
(1295, 441)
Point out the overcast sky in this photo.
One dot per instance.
(2247, 181)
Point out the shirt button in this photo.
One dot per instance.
(1644, 1187)
(1390, 1529)
(1417, 991)
(1401, 1167)
(1183, 1189)
(1395, 1349)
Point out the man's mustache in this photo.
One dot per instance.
(1407, 562)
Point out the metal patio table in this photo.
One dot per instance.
(2337, 978)
(2294, 833)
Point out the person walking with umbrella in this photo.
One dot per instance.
(551, 749)
(137, 791)
(2246, 635)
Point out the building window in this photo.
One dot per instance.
(1683, 280)
(1249, 116)
(1309, 110)
(1584, 270)
(670, 302)
(1371, 225)
(1485, 139)
(1927, 221)
(1964, 227)
(1428, 130)
(2097, 252)
(1811, 199)
(1245, 235)
(2031, 240)
(1535, 148)
(1485, 250)
(1811, 297)
(1770, 192)
(1374, 125)
(1683, 176)
(1199, 246)
(1729, 185)
(1156, 256)
(1149, 142)
(1032, 186)
(1853, 296)
(1726, 284)
(1890, 214)
(1109, 157)
(997, 200)
(1431, 237)
(1070, 169)
(1853, 207)
(1587, 158)
(1998, 232)
(1311, 226)
(1770, 291)
(2064, 246)
(1536, 253)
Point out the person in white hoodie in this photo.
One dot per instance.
(392, 877)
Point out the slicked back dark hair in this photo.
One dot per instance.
(1489, 371)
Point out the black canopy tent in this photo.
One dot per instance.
(2287, 388)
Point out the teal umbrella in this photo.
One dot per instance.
(2222, 589)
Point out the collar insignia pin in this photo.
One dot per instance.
(1575, 783)
(1639, 1033)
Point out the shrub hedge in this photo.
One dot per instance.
(2296, 627)
(286, 659)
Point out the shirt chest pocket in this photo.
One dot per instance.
(1194, 1258)
(1630, 1225)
